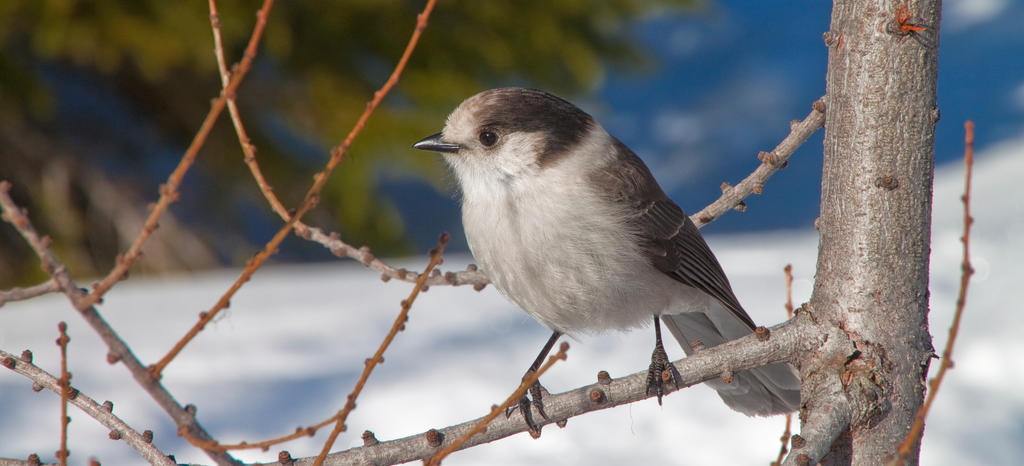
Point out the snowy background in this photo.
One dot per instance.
(291, 346)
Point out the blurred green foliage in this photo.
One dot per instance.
(151, 63)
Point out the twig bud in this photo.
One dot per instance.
(434, 438)
(762, 333)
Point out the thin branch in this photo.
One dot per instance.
(785, 342)
(20, 294)
(330, 241)
(312, 195)
(33, 460)
(119, 350)
(119, 430)
(518, 394)
(966, 271)
(263, 444)
(785, 438)
(236, 119)
(399, 325)
(169, 190)
(771, 162)
(378, 357)
(471, 276)
(788, 270)
(65, 391)
(225, 300)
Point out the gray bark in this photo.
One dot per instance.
(872, 273)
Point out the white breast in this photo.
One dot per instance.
(553, 248)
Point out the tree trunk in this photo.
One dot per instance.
(872, 272)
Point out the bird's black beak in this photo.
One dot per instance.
(434, 143)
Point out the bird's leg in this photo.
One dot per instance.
(535, 389)
(660, 371)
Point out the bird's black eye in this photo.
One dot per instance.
(488, 138)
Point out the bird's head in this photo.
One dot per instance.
(507, 133)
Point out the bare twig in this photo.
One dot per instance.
(786, 433)
(371, 363)
(119, 430)
(119, 350)
(771, 162)
(471, 276)
(903, 24)
(65, 392)
(786, 340)
(481, 426)
(33, 460)
(243, 137)
(225, 300)
(789, 290)
(20, 294)
(169, 190)
(312, 196)
(966, 270)
(378, 357)
(330, 241)
(789, 416)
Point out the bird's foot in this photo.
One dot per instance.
(524, 405)
(660, 372)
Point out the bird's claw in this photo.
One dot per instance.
(536, 391)
(660, 373)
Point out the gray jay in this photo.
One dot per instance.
(569, 224)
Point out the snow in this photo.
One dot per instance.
(293, 342)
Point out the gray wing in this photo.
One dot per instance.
(673, 245)
(668, 237)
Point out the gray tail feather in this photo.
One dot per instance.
(762, 391)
